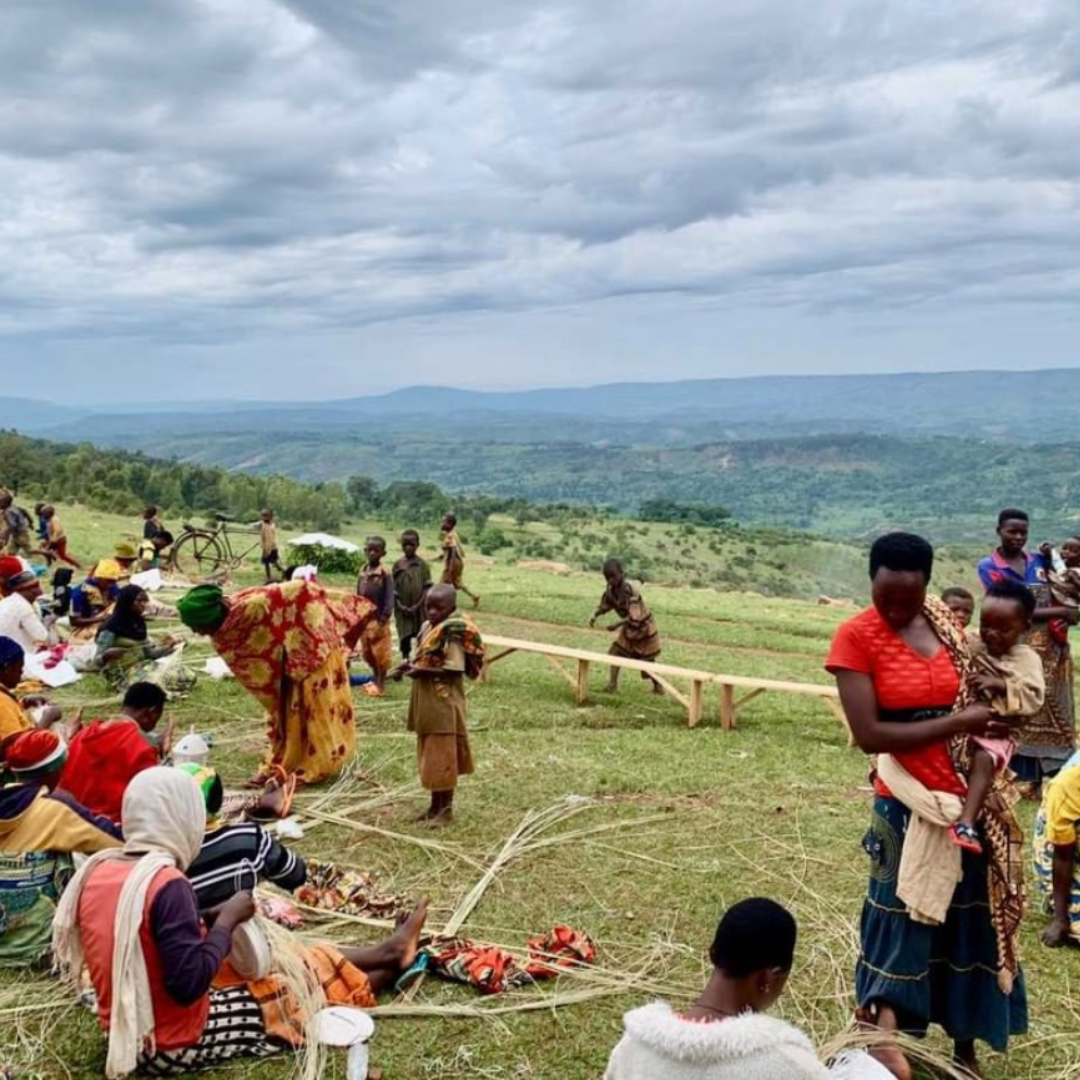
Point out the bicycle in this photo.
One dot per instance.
(208, 550)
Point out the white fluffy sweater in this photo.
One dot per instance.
(659, 1045)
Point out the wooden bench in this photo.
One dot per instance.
(694, 702)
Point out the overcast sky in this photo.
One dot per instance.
(307, 198)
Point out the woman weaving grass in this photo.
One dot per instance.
(130, 915)
(287, 646)
(938, 930)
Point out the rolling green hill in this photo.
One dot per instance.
(840, 485)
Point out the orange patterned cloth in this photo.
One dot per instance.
(343, 983)
(284, 645)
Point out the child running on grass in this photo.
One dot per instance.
(1009, 677)
(412, 579)
(56, 540)
(454, 559)
(268, 541)
(448, 651)
(961, 603)
(377, 642)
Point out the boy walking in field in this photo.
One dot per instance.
(448, 651)
(454, 559)
(412, 579)
(268, 541)
(377, 643)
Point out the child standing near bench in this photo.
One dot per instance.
(449, 650)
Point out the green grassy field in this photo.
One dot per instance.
(777, 807)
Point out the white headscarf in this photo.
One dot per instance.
(164, 819)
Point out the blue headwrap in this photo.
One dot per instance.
(10, 651)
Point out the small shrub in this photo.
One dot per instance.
(328, 560)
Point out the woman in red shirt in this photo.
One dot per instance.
(900, 668)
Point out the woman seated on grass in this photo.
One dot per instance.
(124, 652)
(157, 1005)
(722, 1036)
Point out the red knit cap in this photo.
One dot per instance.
(34, 751)
(10, 565)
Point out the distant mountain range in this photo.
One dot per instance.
(1006, 406)
(846, 455)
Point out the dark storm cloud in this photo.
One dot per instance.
(216, 170)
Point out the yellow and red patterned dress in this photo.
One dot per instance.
(284, 643)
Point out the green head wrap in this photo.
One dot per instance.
(203, 608)
(205, 777)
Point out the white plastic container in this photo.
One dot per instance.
(340, 1025)
(192, 749)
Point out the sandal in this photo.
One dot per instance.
(966, 837)
(421, 965)
(285, 787)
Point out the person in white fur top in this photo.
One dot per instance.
(723, 1035)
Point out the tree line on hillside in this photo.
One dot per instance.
(123, 482)
(852, 486)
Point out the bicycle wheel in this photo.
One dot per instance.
(198, 554)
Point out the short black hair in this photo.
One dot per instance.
(452, 518)
(145, 695)
(753, 935)
(377, 540)
(1010, 513)
(151, 510)
(215, 796)
(902, 551)
(611, 563)
(1013, 590)
(413, 533)
(957, 592)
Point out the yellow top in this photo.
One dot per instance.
(1061, 804)
(13, 718)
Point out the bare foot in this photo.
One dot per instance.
(891, 1057)
(657, 689)
(407, 935)
(441, 819)
(1056, 935)
(427, 815)
(476, 602)
(272, 799)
